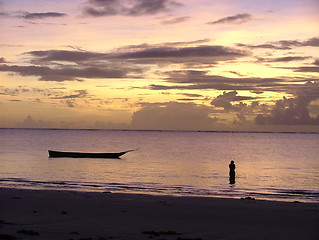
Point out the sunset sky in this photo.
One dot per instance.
(160, 64)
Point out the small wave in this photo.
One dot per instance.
(291, 191)
(156, 188)
(299, 192)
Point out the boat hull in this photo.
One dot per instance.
(59, 154)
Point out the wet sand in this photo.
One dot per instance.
(58, 215)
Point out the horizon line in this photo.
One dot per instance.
(161, 130)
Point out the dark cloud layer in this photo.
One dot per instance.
(308, 69)
(49, 65)
(202, 77)
(167, 52)
(313, 42)
(285, 44)
(235, 19)
(64, 74)
(34, 16)
(181, 54)
(63, 55)
(284, 59)
(265, 46)
(100, 8)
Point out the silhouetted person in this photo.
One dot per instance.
(232, 172)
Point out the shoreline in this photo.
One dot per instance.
(238, 195)
(63, 214)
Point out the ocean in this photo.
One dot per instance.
(270, 166)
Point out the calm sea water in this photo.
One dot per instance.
(276, 166)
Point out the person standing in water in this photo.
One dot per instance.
(232, 172)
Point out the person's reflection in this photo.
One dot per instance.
(232, 172)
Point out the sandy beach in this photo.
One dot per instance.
(44, 214)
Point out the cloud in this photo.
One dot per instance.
(201, 80)
(145, 46)
(11, 45)
(72, 99)
(35, 16)
(181, 54)
(100, 8)
(225, 100)
(312, 42)
(308, 69)
(284, 59)
(194, 95)
(292, 111)
(49, 65)
(175, 20)
(235, 19)
(264, 46)
(2, 60)
(4, 15)
(36, 95)
(21, 90)
(312, 69)
(70, 103)
(285, 44)
(32, 16)
(77, 94)
(206, 86)
(176, 52)
(307, 92)
(163, 52)
(29, 122)
(12, 91)
(64, 55)
(65, 73)
(173, 116)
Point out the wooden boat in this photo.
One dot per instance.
(59, 154)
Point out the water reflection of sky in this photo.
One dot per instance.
(169, 162)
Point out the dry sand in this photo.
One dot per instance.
(62, 215)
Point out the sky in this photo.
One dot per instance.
(202, 65)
